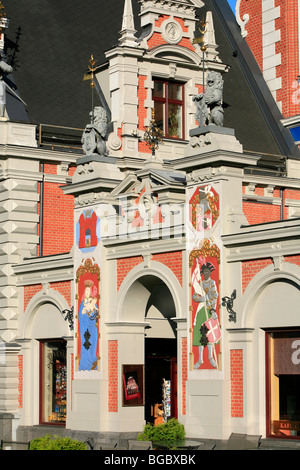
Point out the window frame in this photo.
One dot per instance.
(42, 381)
(270, 334)
(166, 101)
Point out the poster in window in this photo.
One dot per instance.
(133, 385)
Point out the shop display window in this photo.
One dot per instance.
(283, 384)
(53, 382)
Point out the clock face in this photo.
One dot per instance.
(172, 32)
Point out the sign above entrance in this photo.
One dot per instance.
(287, 356)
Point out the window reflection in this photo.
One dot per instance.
(53, 382)
(169, 108)
(284, 384)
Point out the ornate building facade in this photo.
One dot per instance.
(152, 257)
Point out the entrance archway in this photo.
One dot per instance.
(160, 354)
(149, 299)
(270, 318)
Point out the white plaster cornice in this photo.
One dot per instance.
(268, 240)
(45, 269)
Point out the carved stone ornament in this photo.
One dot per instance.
(171, 32)
(242, 22)
(209, 105)
(94, 136)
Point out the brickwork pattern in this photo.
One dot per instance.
(184, 372)
(113, 360)
(72, 379)
(288, 70)
(251, 268)
(294, 259)
(58, 232)
(142, 112)
(254, 28)
(64, 288)
(236, 377)
(173, 260)
(257, 213)
(20, 381)
(157, 39)
(124, 266)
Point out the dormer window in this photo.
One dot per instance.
(168, 97)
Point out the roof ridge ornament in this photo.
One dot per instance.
(128, 29)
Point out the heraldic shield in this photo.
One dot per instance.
(214, 333)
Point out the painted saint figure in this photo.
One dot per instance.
(88, 321)
(206, 295)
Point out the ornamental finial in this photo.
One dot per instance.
(153, 134)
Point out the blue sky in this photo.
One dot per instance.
(232, 4)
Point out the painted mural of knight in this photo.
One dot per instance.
(206, 331)
(204, 263)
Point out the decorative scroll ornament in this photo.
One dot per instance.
(69, 316)
(153, 135)
(241, 21)
(228, 303)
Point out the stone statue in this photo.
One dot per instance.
(4, 69)
(209, 109)
(95, 134)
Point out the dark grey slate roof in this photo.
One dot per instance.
(56, 40)
(51, 42)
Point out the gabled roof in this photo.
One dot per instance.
(246, 91)
(56, 40)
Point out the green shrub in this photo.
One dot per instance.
(170, 431)
(56, 443)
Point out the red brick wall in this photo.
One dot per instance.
(142, 111)
(288, 70)
(72, 378)
(251, 268)
(113, 376)
(294, 259)
(173, 260)
(20, 381)
(124, 266)
(236, 377)
(254, 27)
(58, 230)
(257, 213)
(184, 372)
(64, 288)
(157, 39)
(58, 234)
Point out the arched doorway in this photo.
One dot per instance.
(149, 299)
(271, 318)
(160, 353)
(46, 338)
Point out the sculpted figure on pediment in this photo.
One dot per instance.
(95, 134)
(209, 109)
